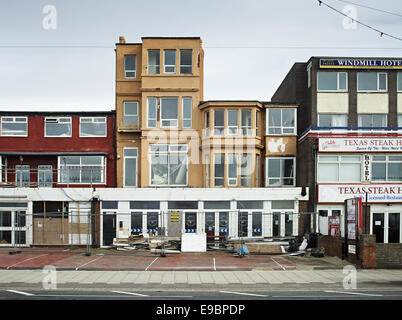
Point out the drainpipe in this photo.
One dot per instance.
(315, 217)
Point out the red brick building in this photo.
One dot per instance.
(57, 149)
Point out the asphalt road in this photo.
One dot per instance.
(201, 295)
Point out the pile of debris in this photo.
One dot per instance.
(146, 242)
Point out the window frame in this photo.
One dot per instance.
(332, 114)
(387, 162)
(186, 65)
(132, 116)
(339, 164)
(58, 119)
(222, 127)
(378, 82)
(338, 89)
(103, 168)
(399, 81)
(169, 65)
(129, 70)
(229, 178)
(183, 119)
(281, 127)
(124, 167)
(157, 66)
(19, 171)
(170, 119)
(168, 151)
(14, 118)
(246, 130)
(92, 122)
(371, 114)
(222, 157)
(281, 178)
(156, 112)
(237, 123)
(41, 169)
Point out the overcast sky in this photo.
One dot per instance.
(71, 79)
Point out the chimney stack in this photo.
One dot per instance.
(122, 39)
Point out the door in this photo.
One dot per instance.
(276, 228)
(288, 224)
(243, 224)
(378, 227)
(223, 224)
(109, 228)
(136, 223)
(190, 222)
(394, 227)
(210, 224)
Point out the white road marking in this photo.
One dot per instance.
(214, 265)
(356, 293)
(88, 263)
(21, 292)
(151, 263)
(26, 260)
(278, 263)
(245, 294)
(132, 293)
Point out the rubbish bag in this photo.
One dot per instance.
(243, 250)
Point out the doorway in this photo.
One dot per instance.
(109, 228)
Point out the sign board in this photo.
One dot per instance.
(356, 144)
(377, 193)
(352, 248)
(334, 226)
(353, 217)
(361, 63)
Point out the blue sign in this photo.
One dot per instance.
(223, 230)
(136, 230)
(257, 230)
(152, 230)
(361, 63)
(191, 230)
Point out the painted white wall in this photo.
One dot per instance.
(330, 102)
(372, 103)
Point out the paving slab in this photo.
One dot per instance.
(206, 277)
(130, 277)
(193, 277)
(269, 277)
(168, 278)
(244, 278)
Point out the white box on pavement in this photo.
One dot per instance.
(194, 242)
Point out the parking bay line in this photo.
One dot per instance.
(244, 293)
(21, 292)
(26, 260)
(88, 263)
(356, 293)
(151, 263)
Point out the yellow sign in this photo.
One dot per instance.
(174, 216)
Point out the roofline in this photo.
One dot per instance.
(73, 113)
(199, 38)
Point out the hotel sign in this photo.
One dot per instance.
(377, 144)
(377, 193)
(361, 63)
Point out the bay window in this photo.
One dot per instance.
(81, 169)
(219, 122)
(233, 122)
(334, 168)
(246, 122)
(219, 169)
(232, 169)
(246, 170)
(168, 164)
(280, 171)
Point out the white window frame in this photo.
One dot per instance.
(267, 184)
(14, 121)
(378, 82)
(154, 65)
(248, 175)
(233, 127)
(332, 114)
(281, 127)
(221, 155)
(371, 114)
(21, 169)
(93, 122)
(247, 128)
(172, 120)
(221, 128)
(58, 119)
(103, 170)
(170, 149)
(338, 89)
(131, 116)
(42, 169)
(156, 112)
(191, 112)
(339, 163)
(126, 70)
(124, 166)
(387, 162)
(187, 65)
(169, 65)
(232, 181)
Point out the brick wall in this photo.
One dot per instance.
(389, 255)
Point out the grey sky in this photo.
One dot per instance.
(72, 79)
